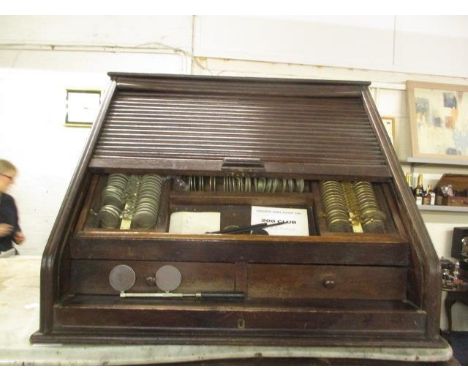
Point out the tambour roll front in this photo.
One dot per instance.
(219, 210)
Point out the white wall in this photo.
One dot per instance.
(430, 45)
(41, 56)
(165, 33)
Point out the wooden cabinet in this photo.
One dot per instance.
(368, 277)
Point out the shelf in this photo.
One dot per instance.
(435, 162)
(443, 208)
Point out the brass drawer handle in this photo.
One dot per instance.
(329, 284)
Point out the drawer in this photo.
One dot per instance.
(240, 248)
(260, 281)
(92, 276)
(326, 282)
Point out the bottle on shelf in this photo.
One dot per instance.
(419, 191)
(439, 198)
(432, 194)
(409, 181)
(427, 197)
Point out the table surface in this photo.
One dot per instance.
(459, 289)
(19, 315)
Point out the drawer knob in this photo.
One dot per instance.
(151, 281)
(328, 283)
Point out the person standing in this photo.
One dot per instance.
(10, 231)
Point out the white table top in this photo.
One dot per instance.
(19, 318)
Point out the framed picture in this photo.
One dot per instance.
(439, 121)
(389, 123)
(82, 107)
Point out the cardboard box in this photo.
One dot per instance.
(460, 186)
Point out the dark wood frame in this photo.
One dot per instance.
(82, 91)
(423, 274)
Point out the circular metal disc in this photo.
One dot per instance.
(375, 226)
(168, 278)
(340, 226)
(122, 278)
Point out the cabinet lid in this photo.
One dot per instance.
(197, 123)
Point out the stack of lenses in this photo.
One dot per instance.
(113, 200)
(237, 184)
(109, 216)
(212, 183)
(114, 192)
(244, 184)
(335, 206)
(261, 184)
(372, 218)
(147, 206)
(196, 183)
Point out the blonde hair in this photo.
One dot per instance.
(6, 166)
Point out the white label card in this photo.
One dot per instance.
(194, 222)
(297, 223)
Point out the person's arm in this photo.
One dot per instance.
(5, 229)
(18, 236)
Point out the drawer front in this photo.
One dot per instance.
(326, 282)
(92, 276)
(250, 321)
(234, 250)
(259, 281)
